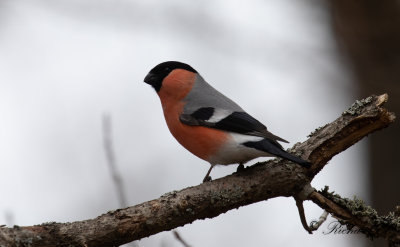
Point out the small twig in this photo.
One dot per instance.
(329, 206)
(9, 216)
(178, 237)
(299, 204)
(299, 197)
(314, 225)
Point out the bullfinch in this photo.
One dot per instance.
(209, 124)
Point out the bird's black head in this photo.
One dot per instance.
(158, 73)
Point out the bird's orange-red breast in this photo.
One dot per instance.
(201, 141)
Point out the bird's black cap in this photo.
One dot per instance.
(158, 73)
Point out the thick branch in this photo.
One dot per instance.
(256, 183)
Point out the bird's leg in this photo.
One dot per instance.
(240, 167)
(207, 177)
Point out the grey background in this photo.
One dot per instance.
(63, 64)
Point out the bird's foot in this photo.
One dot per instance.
(240, 168)
(207, 179)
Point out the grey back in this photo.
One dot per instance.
(204, 95)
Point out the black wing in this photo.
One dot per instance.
(238, 122)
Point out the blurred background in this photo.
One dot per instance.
(294, 65)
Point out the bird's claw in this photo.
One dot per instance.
(207, 179)
(240, 168)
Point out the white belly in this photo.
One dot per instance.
(233, 152)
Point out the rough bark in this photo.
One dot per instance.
(259, 182)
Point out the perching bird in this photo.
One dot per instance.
(207, 123)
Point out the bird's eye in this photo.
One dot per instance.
(166, 69)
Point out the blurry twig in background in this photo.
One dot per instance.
(112, 164)
(178, 237)
(9, 216)
(110, 155)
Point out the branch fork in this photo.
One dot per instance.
(256, 183)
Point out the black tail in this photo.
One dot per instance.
(291, 157)
(275, 149)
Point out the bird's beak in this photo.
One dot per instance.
(153, 80)
(150, 78)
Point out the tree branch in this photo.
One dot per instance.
(259, 182)
(356, 213)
